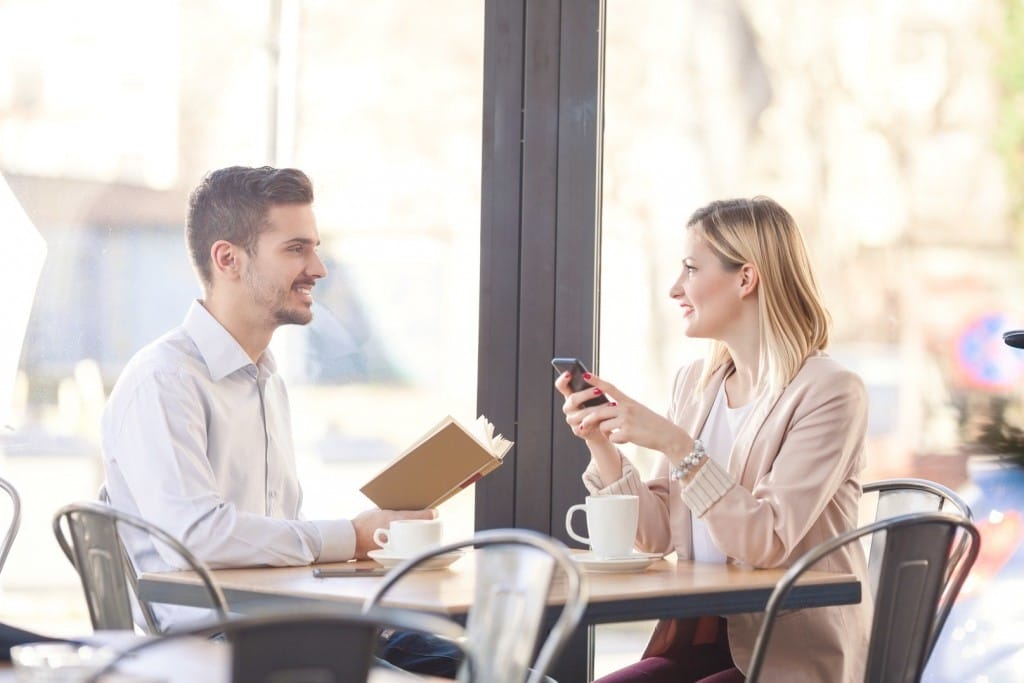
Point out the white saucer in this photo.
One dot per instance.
(389, 560)
(636, 562)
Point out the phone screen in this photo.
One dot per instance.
(576, 381)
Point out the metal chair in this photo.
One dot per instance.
(918, 582)
(15, 523)
(905, 496)
(514, 572)
(93, 545)
(325, 646)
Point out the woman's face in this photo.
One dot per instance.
(706, 291)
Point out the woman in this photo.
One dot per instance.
(761, 449)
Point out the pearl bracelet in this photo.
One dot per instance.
(689, 462)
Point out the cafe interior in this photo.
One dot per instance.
(500, 183)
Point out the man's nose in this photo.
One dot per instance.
(317, 268)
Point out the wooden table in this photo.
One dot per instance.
(666, 589)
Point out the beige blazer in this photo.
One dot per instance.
(790, 484)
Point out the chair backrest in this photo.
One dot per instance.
(918, 581)
(514, 572)
(15, 523)
(904, 496)
(88, 535)
(321, 646)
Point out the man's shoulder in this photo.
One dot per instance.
(173, 353)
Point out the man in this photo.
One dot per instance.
(196, 435)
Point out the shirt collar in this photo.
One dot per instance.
(222, 354)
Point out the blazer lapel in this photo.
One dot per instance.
(694, 421)
(739, 457)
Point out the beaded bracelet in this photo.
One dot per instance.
(689, 462)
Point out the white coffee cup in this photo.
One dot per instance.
(408, 537)
(611, 523)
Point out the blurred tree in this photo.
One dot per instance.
(993, 431)
(1010, 130)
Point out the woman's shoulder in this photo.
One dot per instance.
(688, 374)
(822, 370)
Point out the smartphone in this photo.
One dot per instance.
(337, 572)
(576, 381)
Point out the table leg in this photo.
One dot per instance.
(576, 664)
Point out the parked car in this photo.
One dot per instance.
(983, 640)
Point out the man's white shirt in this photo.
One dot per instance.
(197, 439)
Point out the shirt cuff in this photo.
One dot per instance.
(629, 484)
(708, 485)
(337, 540)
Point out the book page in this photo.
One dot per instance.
(483, 430)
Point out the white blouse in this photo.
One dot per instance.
(718, 435)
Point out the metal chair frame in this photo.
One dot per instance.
(322, 644)
(15, 524)
(106, 571)
(941, 496)
(919, 580)
(904, 496)
(553, 553)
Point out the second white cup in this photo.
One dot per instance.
(611, 523)
(408, 537)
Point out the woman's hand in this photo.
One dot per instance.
(576, 412)
(624, 420)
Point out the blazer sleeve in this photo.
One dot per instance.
(654, 532)
(821, 448)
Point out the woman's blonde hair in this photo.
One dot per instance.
(794, 323)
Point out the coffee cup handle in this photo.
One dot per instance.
(381, 537)
(568, 523)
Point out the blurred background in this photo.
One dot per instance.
(894, 132)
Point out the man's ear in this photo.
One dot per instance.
(749, 278)
(225, 259)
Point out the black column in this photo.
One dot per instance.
(540, 234)
(540, 240)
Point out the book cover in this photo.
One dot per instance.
(447, 459)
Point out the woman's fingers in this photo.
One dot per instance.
(605, 387)
(562, 384)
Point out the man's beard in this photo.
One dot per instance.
(275, 301)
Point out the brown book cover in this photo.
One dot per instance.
(447, 459)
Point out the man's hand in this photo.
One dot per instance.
(368, 521)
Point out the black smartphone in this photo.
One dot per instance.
(337, 572)
(576, 382)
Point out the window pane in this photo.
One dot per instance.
(111, 112)
(890, 133)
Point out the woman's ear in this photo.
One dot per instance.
(224, 256)
(749, 278)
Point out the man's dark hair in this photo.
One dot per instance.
(232, 204)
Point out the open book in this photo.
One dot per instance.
(447, 459)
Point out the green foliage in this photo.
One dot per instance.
(1010, 128)
(994, 433)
